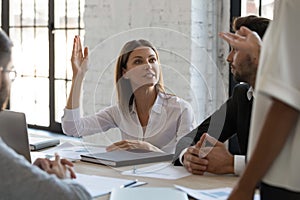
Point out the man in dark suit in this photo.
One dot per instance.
(233, 118)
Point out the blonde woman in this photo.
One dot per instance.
(146, 115)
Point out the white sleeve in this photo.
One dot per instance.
(239, 164)
(75, 125)
(181, 155)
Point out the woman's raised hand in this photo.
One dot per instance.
(79, 58)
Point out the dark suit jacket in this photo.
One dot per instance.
(233, 118)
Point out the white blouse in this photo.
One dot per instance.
(170, 119)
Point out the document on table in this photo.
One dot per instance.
(161, 170)
(210, 194)
(99, 185)
(73, 152)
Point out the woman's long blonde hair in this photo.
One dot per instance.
(124, 89)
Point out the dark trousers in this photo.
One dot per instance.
(268, 192)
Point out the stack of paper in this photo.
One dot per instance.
(210, 194)
(160, 170)
(99, 185)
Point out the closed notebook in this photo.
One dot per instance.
(41, 143)
(125, 158)
(147, 193)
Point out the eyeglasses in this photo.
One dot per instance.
(12, 73)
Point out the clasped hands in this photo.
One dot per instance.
(62, 168)
(208, 155)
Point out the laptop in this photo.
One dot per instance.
(13, 131)
(120, 158)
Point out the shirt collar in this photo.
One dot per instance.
(157, 106)
(250, 93)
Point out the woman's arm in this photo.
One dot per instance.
(79, 66)
(264, 154)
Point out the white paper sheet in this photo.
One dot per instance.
(73, 152)
(211, 194)
(161, 170)
(99, 185)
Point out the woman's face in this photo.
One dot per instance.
(142, 68)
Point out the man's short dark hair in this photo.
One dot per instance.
(254, 23)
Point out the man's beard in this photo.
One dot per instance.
(4, 94)
(238, 78)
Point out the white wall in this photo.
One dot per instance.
(183, 31)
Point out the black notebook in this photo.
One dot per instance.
(125, 158)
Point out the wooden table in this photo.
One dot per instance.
(208, 181)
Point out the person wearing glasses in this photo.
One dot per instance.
(146, 115)
(44, 179)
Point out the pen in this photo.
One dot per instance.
(129, 184)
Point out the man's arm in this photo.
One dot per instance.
(189, 140)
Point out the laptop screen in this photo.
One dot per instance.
(13, 131)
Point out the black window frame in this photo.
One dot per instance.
(53, 125)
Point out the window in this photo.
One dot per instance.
(42, 33)
(262, 8)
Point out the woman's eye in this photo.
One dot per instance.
(137, 62)
(152, 60)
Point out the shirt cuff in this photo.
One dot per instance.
(71, 114)
(239, 164)
(181, 155)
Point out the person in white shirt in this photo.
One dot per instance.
(274, 142)
(147, 117)
(44, 179)
(233, 117)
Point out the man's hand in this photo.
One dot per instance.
(62, 168)
(244, 40)
(193, 160)
(208, 155)
(193, 163)
(220, 161)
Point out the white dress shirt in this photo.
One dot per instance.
(170, 119)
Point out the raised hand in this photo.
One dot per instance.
(244, 40)
(79, 59)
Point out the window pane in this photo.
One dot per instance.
(31, 96)
(15, 12)
(62, 89)
(267, 8)
(28, 13)
(69, 13)
(249, 7)
(41, 12)
(31, 50)
(63, 54)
